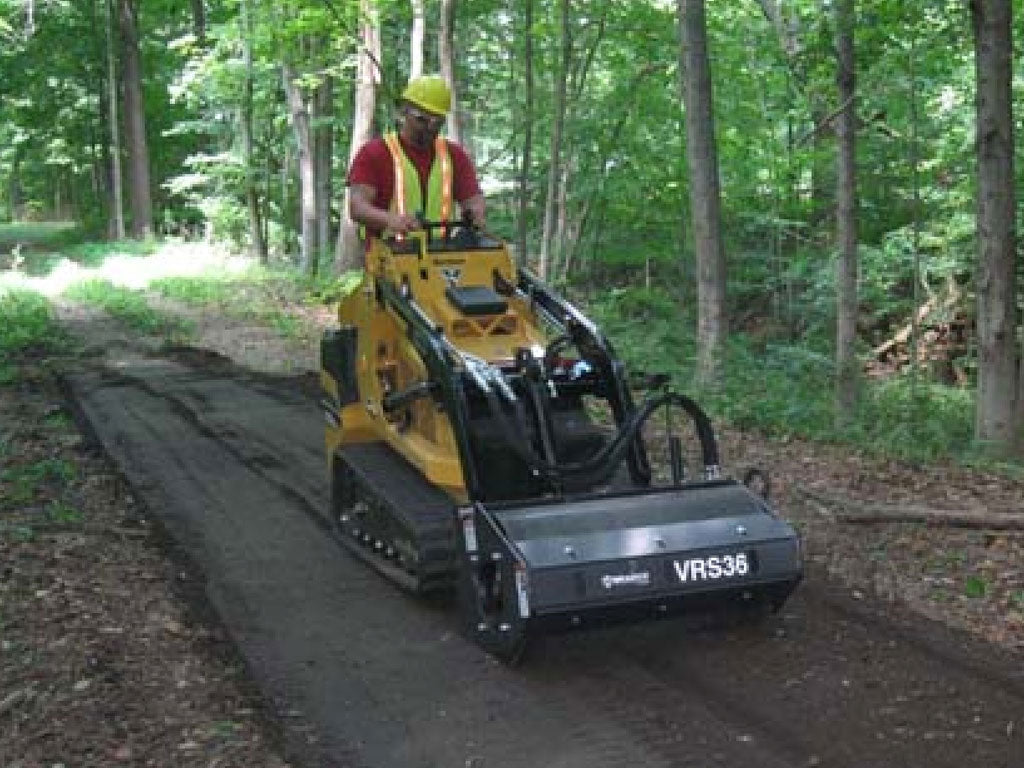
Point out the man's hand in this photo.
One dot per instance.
(475, 210)
(403, 223)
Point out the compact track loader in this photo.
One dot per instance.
(463, 451)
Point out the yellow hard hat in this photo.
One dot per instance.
(429, 92)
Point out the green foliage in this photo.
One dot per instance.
(23, 483)
(21, 534)
(975, 587)
(333, 290)
(916, 421)
(786, 389)
(93, 254)
(62, 512)
(27, 326)
(129, 307)
(648, 329)
(35, 235)
(286, 325)
(779, 389)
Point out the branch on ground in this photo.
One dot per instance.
(848, 510)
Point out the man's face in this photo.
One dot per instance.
(420, 126)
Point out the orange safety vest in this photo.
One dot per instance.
(407, 195)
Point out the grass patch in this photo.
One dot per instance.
(286, 325)
(27, 323)
(197, 291)
(256, 295)
(93, 254)
(23, 484)
(27, 328)
(130, 308)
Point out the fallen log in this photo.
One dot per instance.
(854, 511)
(940, 302)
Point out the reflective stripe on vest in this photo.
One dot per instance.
(407, 194)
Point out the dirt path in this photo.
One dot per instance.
(232, 464)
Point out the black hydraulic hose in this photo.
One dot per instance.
(612, 453)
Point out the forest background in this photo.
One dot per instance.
(802, 209)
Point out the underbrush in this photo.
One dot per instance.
(27, 328)
(38, 234)
(787, 390)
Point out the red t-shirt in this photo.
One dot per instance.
(373, 167)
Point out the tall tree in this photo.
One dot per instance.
(350, 249)
(116, 205)
(995, 279)
(547, 257)
(257, 242)
(446, 56)
(199, 20)
(417, 34)
(323, 145)
(847, 369)
(523, 222)
(705, 193)
(135, 122)
(299, 110)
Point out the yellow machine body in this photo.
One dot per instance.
(387, 362)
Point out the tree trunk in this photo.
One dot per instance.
(446, 56)
(558, 268)
(705, 202)
(324, 142)
(257, 242)
(527, 121)
(349, 253)
(98, 146)
(135, 123)
(116, 224)
(15, 195)
(416, 37)
(996, 274)
(298, 108)
(847, 370)
(554, 160)
(199, 20)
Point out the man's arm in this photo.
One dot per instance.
(363, 211)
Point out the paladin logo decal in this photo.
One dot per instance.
(451, 275)
(640, 579)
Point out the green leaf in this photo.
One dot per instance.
(975, 586)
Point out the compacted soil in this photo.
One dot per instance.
(127, 640)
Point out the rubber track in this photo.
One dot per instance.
(423, 514)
